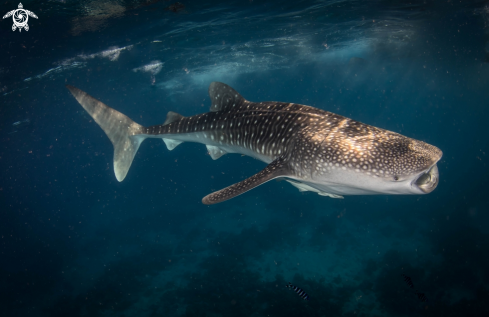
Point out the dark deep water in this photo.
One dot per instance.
(75, 242)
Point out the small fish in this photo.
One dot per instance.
(21, 122)
(421, 296)
(408, 280)
(298, 291)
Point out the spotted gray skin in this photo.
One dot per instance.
(315, 150)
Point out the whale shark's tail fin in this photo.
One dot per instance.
(125, 134)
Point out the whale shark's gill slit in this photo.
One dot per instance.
(124, 133)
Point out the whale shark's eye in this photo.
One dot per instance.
(396, 178)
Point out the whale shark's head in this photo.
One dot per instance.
(375, 161)
(419, 163)
(427, 181)
(410, 166)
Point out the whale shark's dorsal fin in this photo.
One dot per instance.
(223, 97)
(172, 117)
(278, 168)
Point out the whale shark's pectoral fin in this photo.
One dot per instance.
(278, 168)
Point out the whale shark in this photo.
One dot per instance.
(315, 150)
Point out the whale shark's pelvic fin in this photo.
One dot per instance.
(125, 134)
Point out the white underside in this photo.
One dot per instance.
(350, 182)
(304, 187)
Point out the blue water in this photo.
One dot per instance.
(76, 242)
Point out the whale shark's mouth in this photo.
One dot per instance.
(428, 181)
